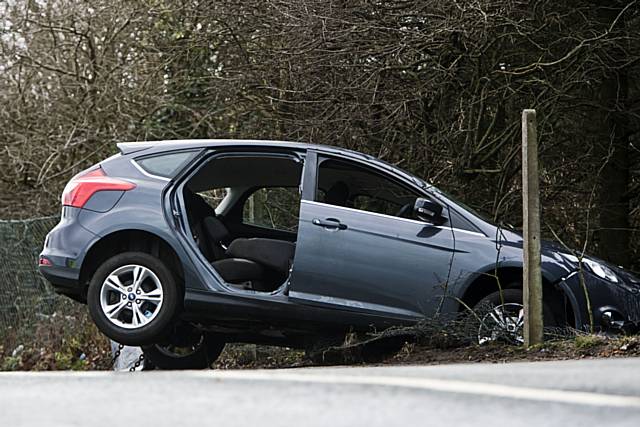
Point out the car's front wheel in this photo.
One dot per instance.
(133, 298)
(501, 317)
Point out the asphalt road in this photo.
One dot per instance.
(584, 393)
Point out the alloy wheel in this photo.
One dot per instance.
(131, 296)
(504, 323)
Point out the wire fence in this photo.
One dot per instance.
(25, 296)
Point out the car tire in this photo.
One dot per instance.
(201, 357)
(141, 321)
(505, 300)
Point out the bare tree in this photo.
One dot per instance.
(434, 86)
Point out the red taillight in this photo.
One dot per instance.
(80, 189)
(46, 262)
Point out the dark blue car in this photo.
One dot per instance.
(180, 245)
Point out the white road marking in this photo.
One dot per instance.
(448, 386)
(431, 384)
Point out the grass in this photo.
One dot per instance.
(577, 347)
(582, 342)
(55, 342)
(72, 342)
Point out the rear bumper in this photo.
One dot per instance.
(65, 281)
(64, 247)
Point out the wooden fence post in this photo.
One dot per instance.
(532, 286)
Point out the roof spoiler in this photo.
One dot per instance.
(133, 147)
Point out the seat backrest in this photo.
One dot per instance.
(208, 231)
(217, 235)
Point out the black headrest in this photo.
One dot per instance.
(338, 194)
(197, 208)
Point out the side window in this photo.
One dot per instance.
(273, 207)
(375, 204)
(165, 165)
(341, 183)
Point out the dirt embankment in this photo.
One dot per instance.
(579, 347)
(73, 342)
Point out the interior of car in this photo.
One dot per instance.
(242, 211)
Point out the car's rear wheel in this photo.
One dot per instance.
(501, 317)
(133, 298)
(191, 349)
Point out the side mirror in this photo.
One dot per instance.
(427, 210)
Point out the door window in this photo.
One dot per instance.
(273, 207)
(342, 183)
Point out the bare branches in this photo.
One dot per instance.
(435, 86)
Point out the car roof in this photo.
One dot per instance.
(154, 147)
(178, 144)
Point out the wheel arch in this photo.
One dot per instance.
(126, 240)
(556, 296)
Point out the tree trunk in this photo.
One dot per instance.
(614, 232)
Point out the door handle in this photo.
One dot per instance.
(329, 223)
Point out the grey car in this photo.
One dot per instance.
(192, 244)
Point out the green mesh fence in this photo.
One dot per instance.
(24, 294)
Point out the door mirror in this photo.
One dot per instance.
(427, 210)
